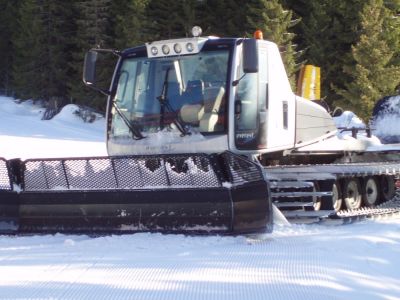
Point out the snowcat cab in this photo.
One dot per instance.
(206, 95)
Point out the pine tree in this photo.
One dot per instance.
(392, 28)
(189, 15)
(173, 19)
(231, 12)
(164, 16)
(8, 11)
(130, 25)
(41, 43)
(326, 32)
(275, 22)
(58, 28)
(28, 68)
(372, 76)
(92, 30)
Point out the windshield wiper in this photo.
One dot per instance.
(136, 134)
(164, 104)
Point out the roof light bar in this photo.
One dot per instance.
(174, 47)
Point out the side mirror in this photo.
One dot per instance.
(89, 68)
(250, 56)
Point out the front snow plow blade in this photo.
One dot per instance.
(167, 193)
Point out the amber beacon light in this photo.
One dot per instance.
(258, 35)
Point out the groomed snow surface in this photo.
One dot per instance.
(358, 261)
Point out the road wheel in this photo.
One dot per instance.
(334, 202)
(387, 188)
(352, 193)
(316, 199)
(370, 192)
(337, 196)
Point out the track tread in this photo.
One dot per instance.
(298, 175)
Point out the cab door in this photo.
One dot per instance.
(281, 105)
(264, 105)
(251, 106)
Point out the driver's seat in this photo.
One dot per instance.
(194, 91)
(212, 107)
(205, 115)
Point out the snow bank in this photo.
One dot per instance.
(387, 123)
(68, 117)
(11, 106)
(68, 114)
(23, 133)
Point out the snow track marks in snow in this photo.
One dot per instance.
(297, 262)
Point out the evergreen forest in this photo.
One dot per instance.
(355, 42)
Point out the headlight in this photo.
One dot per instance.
(177, 48)
(154, 50)
(189, 47)
(196, 31)
(165, 49)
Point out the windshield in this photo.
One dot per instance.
(155, 93)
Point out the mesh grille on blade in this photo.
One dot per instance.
(5, 183)
(133, 172)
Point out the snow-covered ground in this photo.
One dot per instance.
(358, 261)
(24, 135)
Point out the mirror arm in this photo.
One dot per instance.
(93, 87)
(113, 51)
(104, 92)
(236, 82)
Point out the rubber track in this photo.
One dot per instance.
(389, 209)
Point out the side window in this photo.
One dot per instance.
(263, 71)
(126, 84)
(246, 93)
